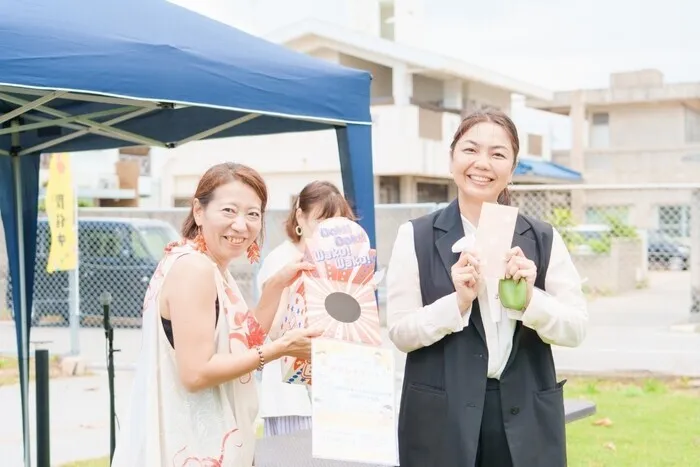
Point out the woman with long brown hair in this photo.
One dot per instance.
(286, 408)
(481, 392)
(194, 399)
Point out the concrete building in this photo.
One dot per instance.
(418, 98)
(639, 130)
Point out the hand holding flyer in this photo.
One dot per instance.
(354, 391)
(338, 296)
(493, 239)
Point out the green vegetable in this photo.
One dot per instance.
(512, 294)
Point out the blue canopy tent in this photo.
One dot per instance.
(122, 73)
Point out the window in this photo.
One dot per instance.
(144, 161)
(432, 192)
(151, 241)
(101, 242)
(674, 220)
(600, 131)
(692, 125)
(137, 246)
(389, 190)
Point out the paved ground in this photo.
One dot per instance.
(631, 333)
(634, 332)
(646, 330)
(79, 419)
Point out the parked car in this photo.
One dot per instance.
(116, 255)
(662, 251)
(667, 252)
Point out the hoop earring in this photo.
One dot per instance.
(298, 230)
(254, 252)
(199, 243)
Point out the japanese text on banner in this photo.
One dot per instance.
(60, 209)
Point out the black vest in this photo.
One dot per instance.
(444, 384)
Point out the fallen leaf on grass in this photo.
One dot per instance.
(610, 445)
(603, 422)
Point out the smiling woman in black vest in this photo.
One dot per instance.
(481, 392)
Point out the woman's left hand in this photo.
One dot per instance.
(519, 267)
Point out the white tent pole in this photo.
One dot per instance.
(30, 105)
(93, 126)
(111, 133)
(24, 337)
(216, 129)
(47, 122)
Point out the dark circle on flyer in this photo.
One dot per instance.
(342, 307)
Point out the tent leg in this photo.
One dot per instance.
(355, 152)
(24, 360)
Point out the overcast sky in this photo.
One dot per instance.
(567, 44)
(558, 45)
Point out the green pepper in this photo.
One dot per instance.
(512, 294)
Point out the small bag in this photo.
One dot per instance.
(512, 294)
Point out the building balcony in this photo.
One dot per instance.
(415, 140)
(412, 140)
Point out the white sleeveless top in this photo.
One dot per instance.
(169, 426)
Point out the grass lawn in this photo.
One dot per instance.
(9, 371)
(640, 423)
(104, 462)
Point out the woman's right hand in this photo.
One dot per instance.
(297, 342)
(288, 274)
(466, 277)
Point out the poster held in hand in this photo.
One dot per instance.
(353, 396)
(354, 403)
(338, 296)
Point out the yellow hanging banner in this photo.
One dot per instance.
(60, 209)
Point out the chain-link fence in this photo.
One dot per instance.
(616, 234)
(119, 250)
(617, 237)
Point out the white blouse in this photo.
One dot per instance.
(277, 398)
(558, 315)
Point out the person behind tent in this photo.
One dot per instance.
(286, 408)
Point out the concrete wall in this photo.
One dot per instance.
(613, 273)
